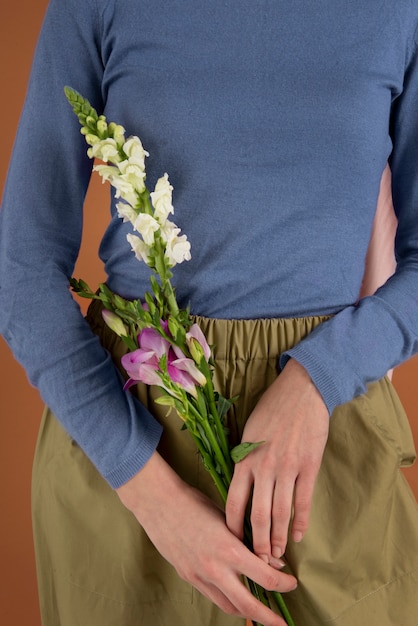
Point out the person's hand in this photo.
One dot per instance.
(191, 533)
(292, 419)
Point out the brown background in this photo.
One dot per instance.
(20, 406)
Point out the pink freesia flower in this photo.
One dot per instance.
(184, 372)
(181, 378)
(151, 340)
(141, 366)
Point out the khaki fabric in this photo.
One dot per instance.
(357, 565)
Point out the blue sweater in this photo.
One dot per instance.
(274, 121)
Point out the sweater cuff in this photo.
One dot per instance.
(318, 374)
(130, 466)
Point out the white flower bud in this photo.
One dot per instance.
(106, 150)
(101, 126)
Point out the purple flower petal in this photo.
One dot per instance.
(150, 339)
(178, 352)
(181, 378)
(134, 361)
(188, 366)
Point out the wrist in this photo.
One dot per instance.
(299, 377)
(155, 481)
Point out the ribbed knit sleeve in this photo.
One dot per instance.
(40, 232)
(362, 342)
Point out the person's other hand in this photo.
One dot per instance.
(293, 421)
(191, 533)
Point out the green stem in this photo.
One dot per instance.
(214, 410)
(281, 605)
(214, 444)
(170, 296)
(163, 272)
(283, 608)
(223, 490)
(145, 202)
(220, 457)
(255, 589)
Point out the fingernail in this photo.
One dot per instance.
(277, 552)
(297, 536)
(277, 563)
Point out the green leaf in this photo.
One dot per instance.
(120, 303)
(129, 342)
(74, 284)
(150, 302)
(155, 288)
(203, 437)
(155, 317)
(104, 289)
(240, 452)
(79, 286)
(201, 403)
(224, 405)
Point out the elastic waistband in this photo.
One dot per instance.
(255, 339)
(231, 339)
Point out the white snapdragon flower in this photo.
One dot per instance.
(178, 250)
(126, 212)
(133, 174)
(105, 150)
(134, 149)
(107, 172)
(146, 225)
(139, 248)
(177, 246)
(161, 199)
(124, 190)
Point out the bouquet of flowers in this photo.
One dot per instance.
(165, 347)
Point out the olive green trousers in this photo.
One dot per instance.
(357, 565)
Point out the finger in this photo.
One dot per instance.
(261, 512)
(263, 574)
(237, 500)
(247, 605)
(234, 598)
(302, 505)
(216, 596)
(280, 519)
